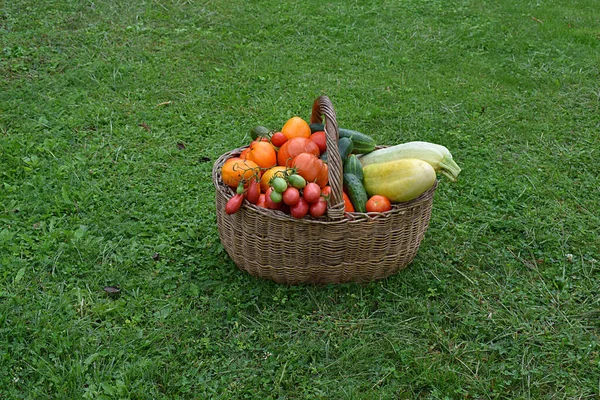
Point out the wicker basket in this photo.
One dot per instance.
(341, 247)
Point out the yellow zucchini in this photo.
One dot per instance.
(399, 180)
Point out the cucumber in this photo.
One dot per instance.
(345, 146)
(356, 192)
(353, 166)
(363, 144)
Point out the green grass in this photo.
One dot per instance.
(501, 302)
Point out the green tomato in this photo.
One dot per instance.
(279, 184)
(276, 196)
(297, 181)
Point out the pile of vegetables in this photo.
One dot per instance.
(287, 170)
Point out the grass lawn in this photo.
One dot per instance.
(112, 114)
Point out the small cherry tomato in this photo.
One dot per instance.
(253, 191)
(276, 196)
(311, 192)
(278, 139)
(270, 203)
(378, 203)
(300, 209)
(291, 196)
(279, 184)
(297, 181)
(318, 208)
(233, 204)
(240, 188)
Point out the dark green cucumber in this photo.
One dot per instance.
(353, 166)
(362, 143)
(316, 127)
(345, 146)
(356, 192)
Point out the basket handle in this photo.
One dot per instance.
(322, 107)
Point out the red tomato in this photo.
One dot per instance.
(378, 203)
(295, 146)
(278, 139)
(291, 196)
(310, 167)
(319, 138)
(318, 208)
(323, 177)
(300, 209)
(269, 202)
(261, 201)
(253, 191)
(233, 204)
(311, 192)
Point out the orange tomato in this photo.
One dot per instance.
(268, 174)
(295, 146)
(310, 167)
(296, 127)
(235, 169)
(262, 153)
(378, 203)
(244, 153)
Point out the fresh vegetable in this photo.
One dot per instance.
(234, 203)
(353, 166)
(399, 180)
(269, 174)
(311, 192)
(269, 201)
(297, 181)
(320, 140)
(296, 127)
(279, 184)
(308, 166)
(278, 139)
(318, 208)
(300, 209)
(293, 147)
(262, 153)
(236, 169)
(276, 197)
(345, 147)
(356, 192)
(253, 191)
(378, 203)
(291, 196)
(362, 143)
(436, 155)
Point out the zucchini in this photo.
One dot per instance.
(362, 143)
(353, 166)
(436, 155)
(399, 180)
(356, 192)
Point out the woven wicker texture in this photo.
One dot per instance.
(341, 247)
